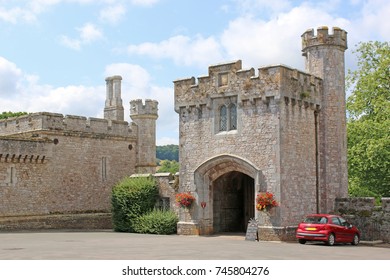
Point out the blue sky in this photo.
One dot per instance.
(55, 54)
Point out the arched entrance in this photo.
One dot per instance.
(226, 187)
(233, 202)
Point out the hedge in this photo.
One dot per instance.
(132, 198)
(157, 222)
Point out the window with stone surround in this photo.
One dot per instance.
(228, 117)
(232, 116)
(223, 118)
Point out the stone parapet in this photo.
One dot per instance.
(224, 80)
(323, 37)
(57, 122)
(138, 108)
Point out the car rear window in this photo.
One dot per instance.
(315, 220)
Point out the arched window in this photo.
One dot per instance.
(223, 118)
(233, 117)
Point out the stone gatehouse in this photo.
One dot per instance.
(241, 132)
(276, 129)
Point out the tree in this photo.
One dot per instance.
(368, 122)
(171, 166)
(6, 115)
(169, 152)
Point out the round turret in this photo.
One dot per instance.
(324, 58)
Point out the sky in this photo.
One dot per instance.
(56, 54)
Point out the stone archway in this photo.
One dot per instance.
(218, 175)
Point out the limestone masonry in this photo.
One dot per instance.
(279, 130)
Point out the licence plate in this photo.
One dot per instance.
(311, 228)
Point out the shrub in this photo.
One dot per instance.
(131, 198)
(157, 222)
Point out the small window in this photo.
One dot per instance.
(233, 117)
(104, 168)
(223, 118)
(164, 204)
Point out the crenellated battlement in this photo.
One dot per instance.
(338, 38)
(224, 80)
(140, 109)
(57, 122)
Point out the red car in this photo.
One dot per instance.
(328, 228)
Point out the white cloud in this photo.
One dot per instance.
(256, 41)
(113, 14)
(182, 50)
(74, 44)
(255, 6)
(23, 92)
(88, 33)
(9, 78)
(27, 12)
(276, 41)
(135, 79)
(16, 14)
(144, 2)
(136, 82)
(374, 20)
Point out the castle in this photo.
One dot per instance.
(280, 130)
(240, 133)
(54, 164)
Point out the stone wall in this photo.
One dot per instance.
(298, 161)
(373, 221)
(75, 221)
(75, 217)
(63, 172)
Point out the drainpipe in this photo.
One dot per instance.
(317, 162)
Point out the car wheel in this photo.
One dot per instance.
(355, 240)
(301, 241)
(331, 239)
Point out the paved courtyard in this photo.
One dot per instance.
(108, 245)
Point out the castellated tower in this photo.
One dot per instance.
(113, 109)
(145, 116)
(324, 55)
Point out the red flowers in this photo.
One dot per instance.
(184, 199)
(265, 201)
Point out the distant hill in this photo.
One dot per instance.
(167, 152)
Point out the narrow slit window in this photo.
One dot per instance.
(104, 168)
(233, 117)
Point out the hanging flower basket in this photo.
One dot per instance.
(265, 201)
(184, 199)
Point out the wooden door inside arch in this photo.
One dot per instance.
(233, 202)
